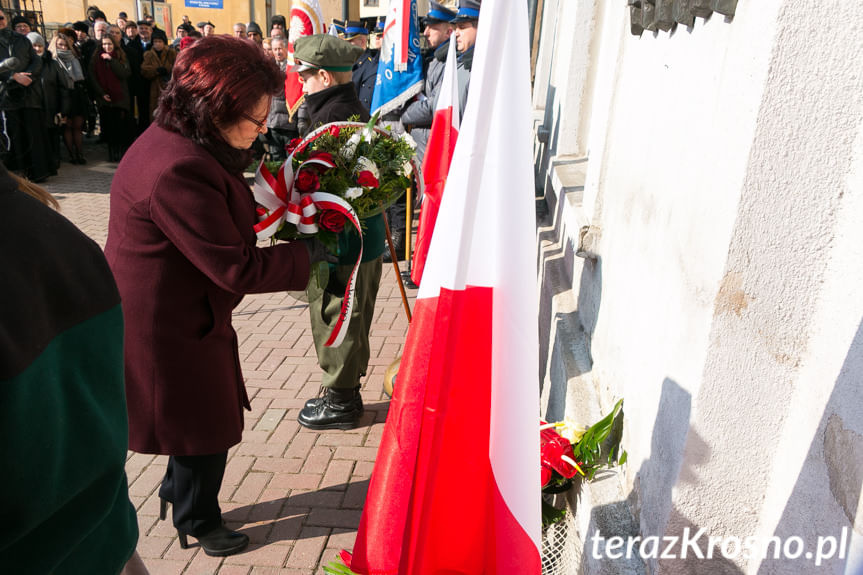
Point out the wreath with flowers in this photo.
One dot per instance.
(333, 179)
(364, 165)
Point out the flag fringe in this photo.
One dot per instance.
(399, 101)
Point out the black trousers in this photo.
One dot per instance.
(28, 153)
(192, 484)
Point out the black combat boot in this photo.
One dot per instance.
(335, 409)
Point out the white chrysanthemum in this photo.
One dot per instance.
(409, 139)
(364, 164)
(352, 193)
(350, 148)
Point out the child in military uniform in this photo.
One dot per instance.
(324, 64)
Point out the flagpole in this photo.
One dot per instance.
(406, 275)
(396, 266)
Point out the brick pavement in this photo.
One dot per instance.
(298, 494)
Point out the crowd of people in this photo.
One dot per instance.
(183, 261)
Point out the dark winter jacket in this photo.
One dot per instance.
(16, 96)
(364, 77)
(420, 113)
(55, 91)
(279, 116)
(121, 70)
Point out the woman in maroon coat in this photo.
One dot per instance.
(182, 247)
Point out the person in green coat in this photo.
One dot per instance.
(63, 492)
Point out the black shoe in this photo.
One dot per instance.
(220, 542)
(336, 409)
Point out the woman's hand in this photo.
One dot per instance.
(106, 97)
(106, 56)
(22, 78)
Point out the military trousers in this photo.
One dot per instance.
(344, 365)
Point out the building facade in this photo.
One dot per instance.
(702, 258)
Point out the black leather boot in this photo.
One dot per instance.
(220, 542)
(335, 409)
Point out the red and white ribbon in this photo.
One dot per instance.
(274, 195)
(284, 202)
(326, 201)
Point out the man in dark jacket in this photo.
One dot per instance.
(21, 104)
(365, 71)
(280, 128)
(324, 66)
(139, 87)
(418, 116)
(465, 36)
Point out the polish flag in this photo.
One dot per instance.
(456, 482)
(439, 151)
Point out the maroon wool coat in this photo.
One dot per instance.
(182, 249)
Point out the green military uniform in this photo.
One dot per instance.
(345, 364)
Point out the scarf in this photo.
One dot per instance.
(71, 65)
(107, 79)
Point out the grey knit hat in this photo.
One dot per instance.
(36, 39)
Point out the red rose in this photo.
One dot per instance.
(320, 155)
(332, 220)
(334, 131)
(367, 179)
(292, 145)
(307, 181)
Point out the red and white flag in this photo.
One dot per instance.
(306, 19)
(456, 482)
(438, 155)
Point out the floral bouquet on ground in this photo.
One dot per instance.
(334, 178)
(567, 450)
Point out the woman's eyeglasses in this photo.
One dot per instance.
(259, 124)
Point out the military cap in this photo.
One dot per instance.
(467, 10)
(439, 13)
(339, 25)
(325, 52)
(355, 28)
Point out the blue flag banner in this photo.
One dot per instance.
(400, 68)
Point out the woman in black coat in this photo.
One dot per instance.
(74, 114)
(55, 98)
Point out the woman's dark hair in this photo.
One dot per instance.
(117, 53)
(215, 80)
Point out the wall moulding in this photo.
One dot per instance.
(664, 15)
